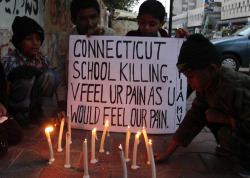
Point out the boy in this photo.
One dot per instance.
(30, 83)
(151, 19)
(85, 15)
(221, 103)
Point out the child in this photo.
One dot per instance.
(150, 20)
(85, 15)
(10, 132)
(221, 103)
(30, 83)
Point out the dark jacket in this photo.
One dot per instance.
(163, 33)
(227, 95)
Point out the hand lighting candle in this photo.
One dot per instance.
(146, 142)
(101, 150)
(123, 162)
(134, 166)
(47, 131)
(127, 144)
(85, 159)
(67, 164)
(59, 148)
(152, 159)
(93, 160)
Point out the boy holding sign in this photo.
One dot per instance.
(85, 15)
(221, 103)
(151, 19)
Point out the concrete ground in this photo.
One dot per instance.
(30, 158)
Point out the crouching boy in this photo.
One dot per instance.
(222, 103)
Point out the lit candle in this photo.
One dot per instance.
(59, 148)
(93, 160)
(101, 150)
(146, 142)
(69, 129)
(67, 164)
(85, 159)
(127, 144)
(47, 131)
(152, 159)
(134, 166)
(123, 162)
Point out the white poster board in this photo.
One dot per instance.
(129, 81)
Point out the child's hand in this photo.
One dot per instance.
(59, 116)
(181, 33)
(95, 31)
(160, 157)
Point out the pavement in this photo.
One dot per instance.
(30, 159)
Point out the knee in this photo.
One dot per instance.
(53, 77)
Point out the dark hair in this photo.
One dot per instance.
(154, 8)
(77, 5)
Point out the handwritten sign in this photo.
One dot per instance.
(129, 81)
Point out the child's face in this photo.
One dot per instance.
(149, 25)
(86, 19)
(30, 45)
(198, 78)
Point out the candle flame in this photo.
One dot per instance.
(107, 122)
(150, 141)
(143, 127)
(85, 139)
(94, 130)
(120, 146)
(138, 133)
(49, 129)
(128, 127)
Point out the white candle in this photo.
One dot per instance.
(47, 131)
(152, 159)
(146, 142)
(85, 159)
(93, 160)
(101, 150)
(127, 144)
(69, 129)
(67, 164)
(134, 166)
(59, 148)
(123, 162)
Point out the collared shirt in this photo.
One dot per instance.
(16, 59)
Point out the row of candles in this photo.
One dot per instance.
(124, 158)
